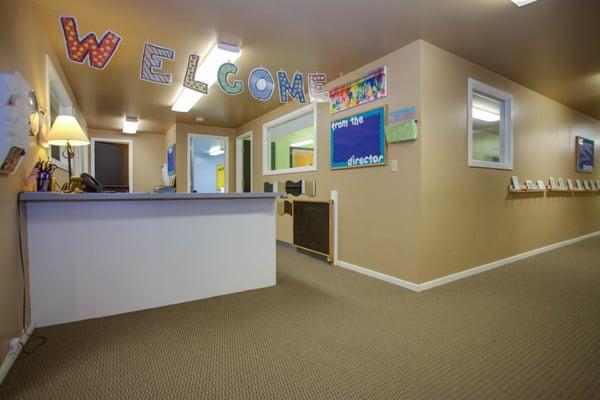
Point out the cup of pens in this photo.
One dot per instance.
(45, 170)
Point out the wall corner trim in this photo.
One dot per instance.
(420, 287)
(10, 358)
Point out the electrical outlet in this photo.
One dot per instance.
(394, 165)
(14, 345)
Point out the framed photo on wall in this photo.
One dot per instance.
(585, 155)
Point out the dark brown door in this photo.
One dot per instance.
(246, 151)
(111, 164)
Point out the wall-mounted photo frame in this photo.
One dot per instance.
(585, 155)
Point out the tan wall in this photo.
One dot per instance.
(148, 155)
(379, 209)
(181, 150)
(19, 24)
(467, 217)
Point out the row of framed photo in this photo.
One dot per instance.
(554, 185)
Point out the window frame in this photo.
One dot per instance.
(506, 134)
(267, 142)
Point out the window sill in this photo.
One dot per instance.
(290, 171)
(490, 165)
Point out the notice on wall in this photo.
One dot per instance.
(358, 140)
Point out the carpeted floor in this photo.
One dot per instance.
(530, 330)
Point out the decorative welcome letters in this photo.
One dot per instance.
(260, 81)
(224, 71)
(294, 90)
(316, 90)
(189, 81)
(261, 84)
(152, 61)
(99, 54)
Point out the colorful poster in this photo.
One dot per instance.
(358, 140)
(98, 53)
(171, 160)
(403, 115)
(371, 87)
(585, 155)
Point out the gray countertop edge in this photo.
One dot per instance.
(71, 197)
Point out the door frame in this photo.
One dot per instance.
(239, 161)
(190, 156)
(129, 144)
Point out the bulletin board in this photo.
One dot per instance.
(358, 140)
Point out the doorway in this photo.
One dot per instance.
(208, 164)
(243, 163)
(112, 163)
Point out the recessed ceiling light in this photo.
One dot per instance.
(302, 143)
(216, 151)
(521, 3)
(485, 115)
(130, 125)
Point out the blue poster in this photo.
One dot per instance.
(585, 155)
(358, 140)
(171, 160)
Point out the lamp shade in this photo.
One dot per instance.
(66, 130)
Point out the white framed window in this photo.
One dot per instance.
(490, 127)
(290, 142)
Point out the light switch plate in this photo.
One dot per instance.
(394, 165)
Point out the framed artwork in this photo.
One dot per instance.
(585, 155)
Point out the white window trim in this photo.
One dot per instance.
(55, 85)
(130, 156)
(266, 142)
(239, 161)
(190, 153)
(507, 99)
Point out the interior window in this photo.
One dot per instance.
(490, 127)
(290, 143)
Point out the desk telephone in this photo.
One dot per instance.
(83, 183)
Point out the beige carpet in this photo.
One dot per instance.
(530, 330)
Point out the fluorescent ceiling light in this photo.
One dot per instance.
(207, 73)
(521, 3)
(302, 143)
(130, 125)
(485, 115)
(216, 151)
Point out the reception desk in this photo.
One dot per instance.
(94, 255)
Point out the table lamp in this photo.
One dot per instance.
(66, 131)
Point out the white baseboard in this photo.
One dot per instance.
(419, 287)
(10, 358)
(378, 275)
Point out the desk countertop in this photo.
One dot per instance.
(78, 197)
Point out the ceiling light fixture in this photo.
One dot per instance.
(130, 125)
(207, 73)
(485, 115)
(522, 3)
(302, 143)
(216, 151)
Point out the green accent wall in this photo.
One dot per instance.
(282, 145)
